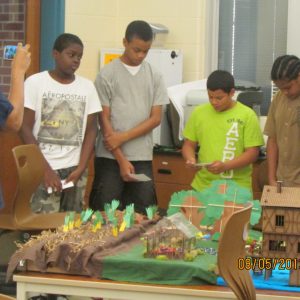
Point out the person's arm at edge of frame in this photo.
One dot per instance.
(19, 67)
(189, 152)
(272, 160)
(126, 167)
(116, 139)
(87, 147)
(51, 179)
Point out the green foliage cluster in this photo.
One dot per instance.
(212, 202)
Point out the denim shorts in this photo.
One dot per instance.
(70, 199)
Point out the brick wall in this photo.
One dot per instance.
(12, 31)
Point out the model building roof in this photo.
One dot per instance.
(288, 197)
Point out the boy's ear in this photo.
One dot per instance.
(125, 42)
(54, 53)
(231, 93)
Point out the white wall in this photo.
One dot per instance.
(102, 24)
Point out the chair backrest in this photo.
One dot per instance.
(8, 175)
(5, 297)
(30, 168)
(231, 248)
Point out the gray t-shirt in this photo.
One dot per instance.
(130, 98)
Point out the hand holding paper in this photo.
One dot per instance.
(139, 177)
(66, 185)
(63, 184)
(202, 164)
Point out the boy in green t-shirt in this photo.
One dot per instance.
(227, 133)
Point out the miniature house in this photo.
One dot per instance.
(281, 227)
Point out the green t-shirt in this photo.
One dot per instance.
(223, 136)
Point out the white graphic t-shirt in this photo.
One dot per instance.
(61, 112)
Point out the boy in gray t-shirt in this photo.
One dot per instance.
(132, 94)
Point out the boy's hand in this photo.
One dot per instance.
(126, 168)
(52, 181)
(74, 176)
(217, 167)
(190, 163)
(114, 140)
(273, 182)
(22, 59)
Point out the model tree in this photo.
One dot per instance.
(212, 207)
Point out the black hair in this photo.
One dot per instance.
(285, 67)
(139, 29)
(64, 40)
(220, 80)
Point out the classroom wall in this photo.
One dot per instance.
(12, 31)
(102, 23)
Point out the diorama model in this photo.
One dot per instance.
(189, 232)
(281, 228)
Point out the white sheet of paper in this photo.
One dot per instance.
(202, 164)
(66, 185)
(140, 177)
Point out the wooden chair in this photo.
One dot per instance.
(30, 169)
(231, 248)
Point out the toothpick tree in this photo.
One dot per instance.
(213, 206)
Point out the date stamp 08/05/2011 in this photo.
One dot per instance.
(264, 263)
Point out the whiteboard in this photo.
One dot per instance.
(293, 41)
(168, 61)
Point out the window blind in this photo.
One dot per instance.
(252, 33)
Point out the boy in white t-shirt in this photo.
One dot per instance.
(60, 116)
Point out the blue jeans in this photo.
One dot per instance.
(109, 185)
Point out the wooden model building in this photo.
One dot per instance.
(281, 228)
